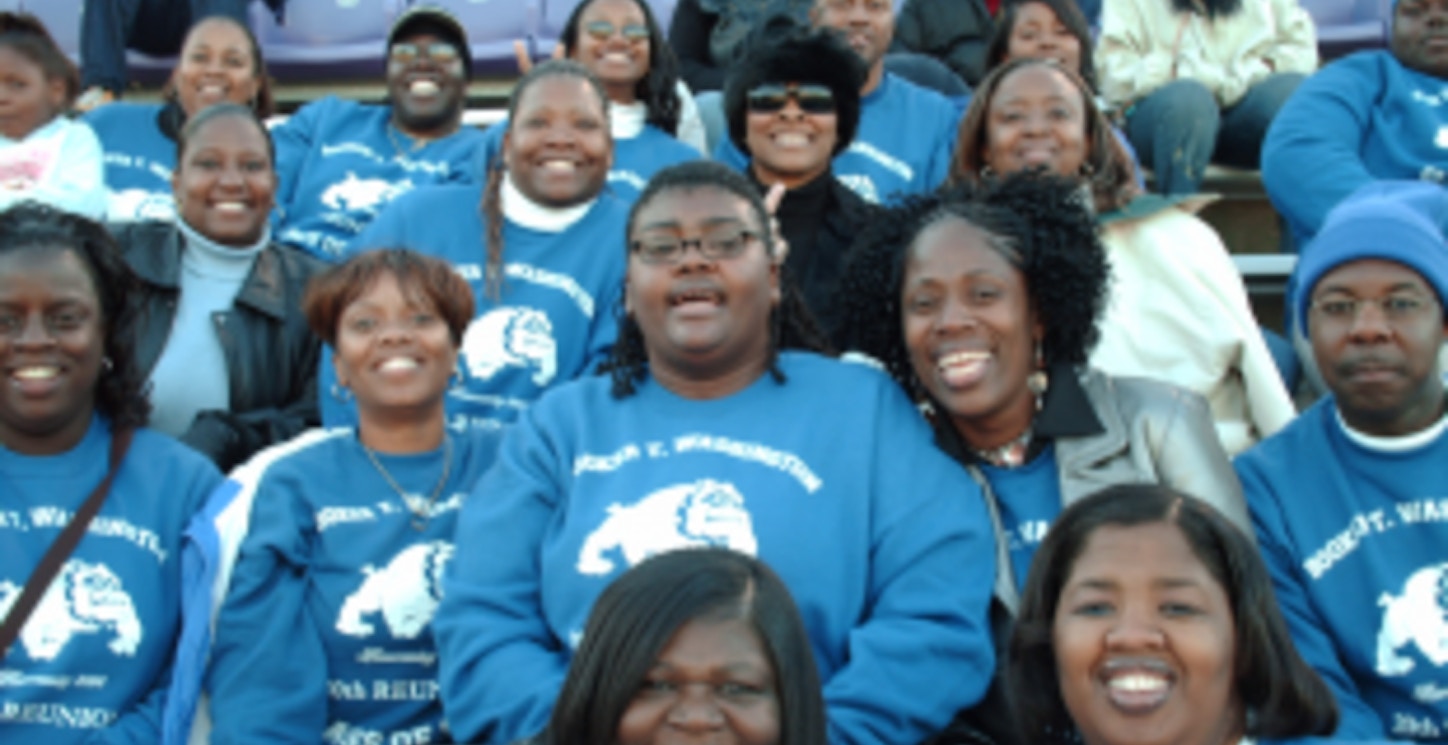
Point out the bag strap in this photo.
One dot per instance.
(62, 548)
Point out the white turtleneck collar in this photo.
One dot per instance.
(1401, 444)
(211, 259)
(626, 120)
(528, 213)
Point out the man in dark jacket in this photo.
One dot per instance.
(956, 32)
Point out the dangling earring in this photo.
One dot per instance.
(1086, 169)
(986, 172)
(107, 366)
(1038, 381)
(342, 393)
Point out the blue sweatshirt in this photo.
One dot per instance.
(1361, 118)
(635, 159)
(556, 320)
(902, 147)
(883, 541)
(93, 662)
(139, 158)
(1356, 539)
(340, 162)
(325, 631)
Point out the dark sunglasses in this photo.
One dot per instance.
(603, 30)
(773, 97)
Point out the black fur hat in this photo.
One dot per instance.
(783, 51)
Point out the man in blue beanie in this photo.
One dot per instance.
(1350, 500)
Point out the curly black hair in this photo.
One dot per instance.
(792, 326)
(782, 51)
(1066, 12)
(30, 226)
(1039, 222)
(1111, 171)
(658, 89)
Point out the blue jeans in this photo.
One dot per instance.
(1179, 128)
(155, 27)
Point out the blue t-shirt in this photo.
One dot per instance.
(557, 317)
(635, 159)
(339, 163)
(325, 634)
(1356, 539)
(139, 159)
(883, 541)
(903, 145)
(92, 662)
(1030, 501)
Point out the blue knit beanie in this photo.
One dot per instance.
(1400, 221)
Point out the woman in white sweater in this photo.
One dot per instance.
(1176, 310)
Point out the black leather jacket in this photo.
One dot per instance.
(271, 354)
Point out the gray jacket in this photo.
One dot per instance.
(1154, 433)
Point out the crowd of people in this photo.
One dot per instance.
(745, 383)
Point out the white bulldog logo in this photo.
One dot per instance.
(406, 592)
(703, 513)
(84, 598)
(136, 205)
(1419, 617)
(511, 337)
(353, 194)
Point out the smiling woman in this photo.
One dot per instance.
(1177, 310)
(539, 244)
(619, 41)
(984, 304)
(324, 634)
(792, 105)
(220, 62)
(71, 390)
(1149, 619)
(229, 359)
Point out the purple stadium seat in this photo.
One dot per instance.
(556, 13)
(1345, 26)
(61, 19)
(326, 38)
(493, 26)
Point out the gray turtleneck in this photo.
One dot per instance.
(191, 375)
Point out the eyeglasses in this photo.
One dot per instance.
(772, 97)
(603, 31)
(716, 246)
(406, 52)
(1397, 307)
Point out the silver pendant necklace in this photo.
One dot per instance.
(420, 512)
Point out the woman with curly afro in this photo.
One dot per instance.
(983, 302)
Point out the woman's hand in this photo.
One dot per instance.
(772, 198)
(525, 62)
